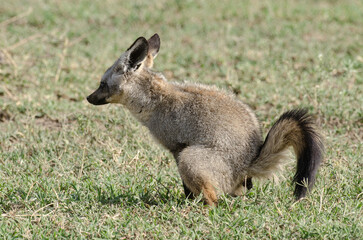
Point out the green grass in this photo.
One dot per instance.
(72, 170)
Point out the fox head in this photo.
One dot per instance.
(138, 56)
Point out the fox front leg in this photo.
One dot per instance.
(188, 194)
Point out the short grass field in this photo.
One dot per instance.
(71, 170)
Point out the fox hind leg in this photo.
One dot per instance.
(202, 186)
(204, 171)
(209, 194)
(193, 186)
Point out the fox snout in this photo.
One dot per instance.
(99, 97)
(126, 70)
(95, 101)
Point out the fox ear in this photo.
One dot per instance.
(137, 52)
(154, 45)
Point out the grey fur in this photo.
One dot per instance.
(215, 139)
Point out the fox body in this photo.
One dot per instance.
(215, 138)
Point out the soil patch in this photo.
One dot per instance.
(47, 122)
(4, 116)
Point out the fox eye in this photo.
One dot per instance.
(102, 84)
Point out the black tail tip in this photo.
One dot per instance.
(311, 154)
(300, 191)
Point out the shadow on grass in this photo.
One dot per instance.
(150, 197)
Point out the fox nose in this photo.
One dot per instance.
(92, 99)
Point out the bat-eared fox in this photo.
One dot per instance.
(216, 139)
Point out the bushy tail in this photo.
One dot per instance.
(294, 128)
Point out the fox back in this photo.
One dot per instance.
(215, 138)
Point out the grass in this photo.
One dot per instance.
(72, 170)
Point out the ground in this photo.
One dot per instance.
(72, 170)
